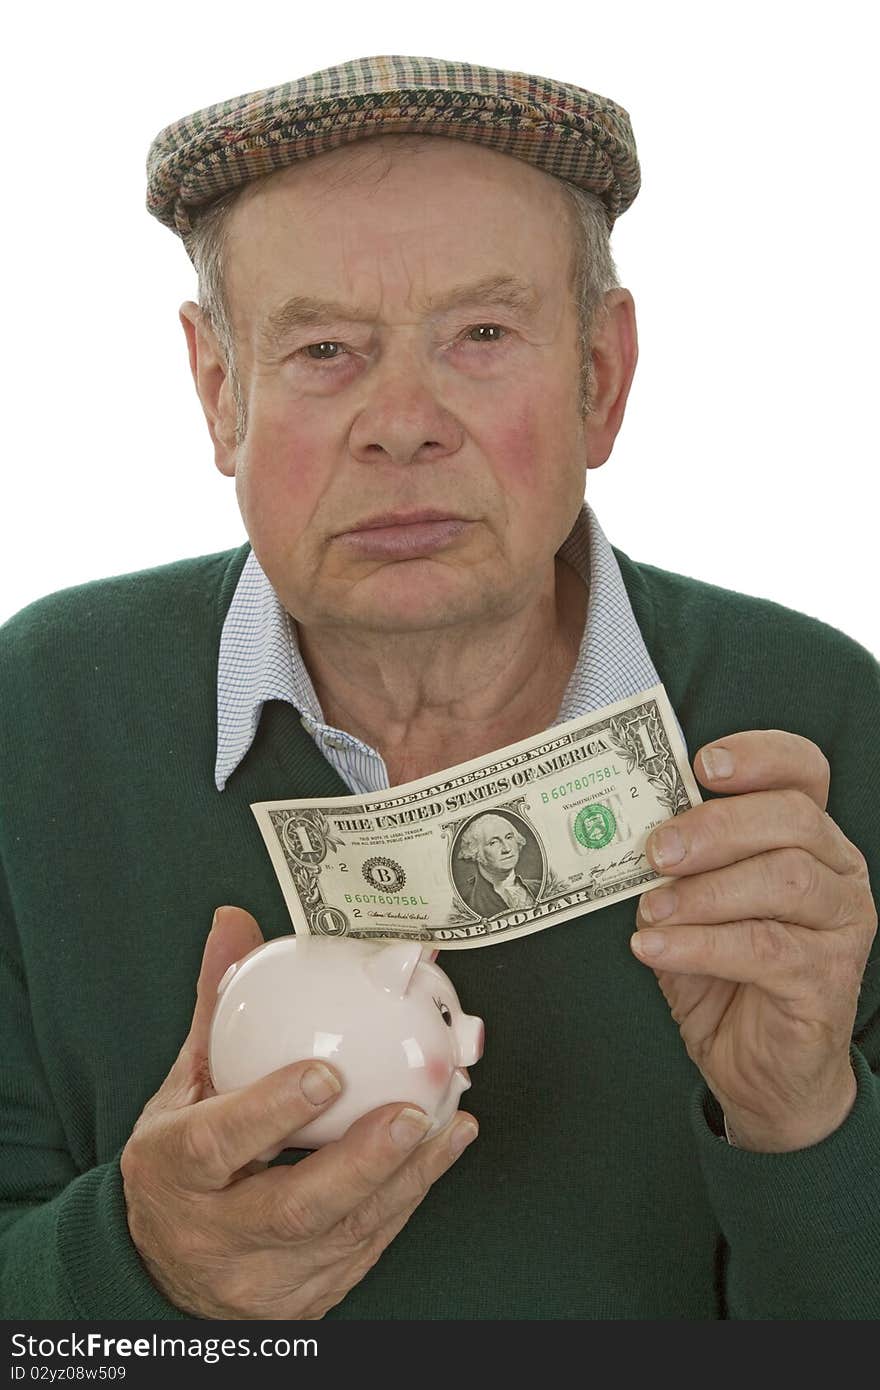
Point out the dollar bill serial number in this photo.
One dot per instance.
(392, 899)
(580, 784)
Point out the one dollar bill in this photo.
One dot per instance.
(499, 847)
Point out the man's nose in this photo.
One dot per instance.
(401, 416)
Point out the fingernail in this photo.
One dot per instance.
(319, 1084)
(666, 847)
(409, 1127)
(657, 905)
(463, 1134)
(648, 943)
(718, 762)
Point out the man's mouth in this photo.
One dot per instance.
(403, 535)
(402, 518)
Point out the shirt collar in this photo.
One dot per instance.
(260, 658)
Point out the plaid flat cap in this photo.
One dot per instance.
(564, 130)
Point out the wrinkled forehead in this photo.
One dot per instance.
(366, 163)
(472, 191)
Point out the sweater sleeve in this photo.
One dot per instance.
(65, 1248)
(802, 1229)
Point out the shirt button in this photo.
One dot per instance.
(334, 741)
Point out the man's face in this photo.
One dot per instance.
(499, 852)
(402, 403)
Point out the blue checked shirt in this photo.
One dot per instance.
(260, 660)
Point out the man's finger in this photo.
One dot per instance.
(764, 760)
(352, 1175)
(788, 884)
(232, 935)
(729, 829)
(210, 1141)
(376, 1227)
(789, 962)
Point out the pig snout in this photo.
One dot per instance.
(469, 1034)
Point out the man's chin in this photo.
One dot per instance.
(402, 621)
(409, 602)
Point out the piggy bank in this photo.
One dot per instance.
(383, 1014)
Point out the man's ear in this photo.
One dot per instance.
(615, 352)
(212, 383)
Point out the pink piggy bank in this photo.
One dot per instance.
(382, 1013)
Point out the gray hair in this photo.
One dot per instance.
(472, 839)
(593, 275)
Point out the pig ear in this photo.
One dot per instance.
(391, 968)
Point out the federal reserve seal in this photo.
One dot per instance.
(594, 826)
(386, 875)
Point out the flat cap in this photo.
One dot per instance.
(564, 130)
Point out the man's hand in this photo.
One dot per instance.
(224, 1236)
(763, 939)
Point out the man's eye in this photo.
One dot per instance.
(321, 357)
(483, 327)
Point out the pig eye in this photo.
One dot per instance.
(445, 1011)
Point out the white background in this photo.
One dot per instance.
(748, 456)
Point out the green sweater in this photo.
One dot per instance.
(600, 1186)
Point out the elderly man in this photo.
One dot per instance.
(409, 347)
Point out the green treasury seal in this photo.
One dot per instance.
(594, 826)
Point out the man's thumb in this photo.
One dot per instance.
(233, 934)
